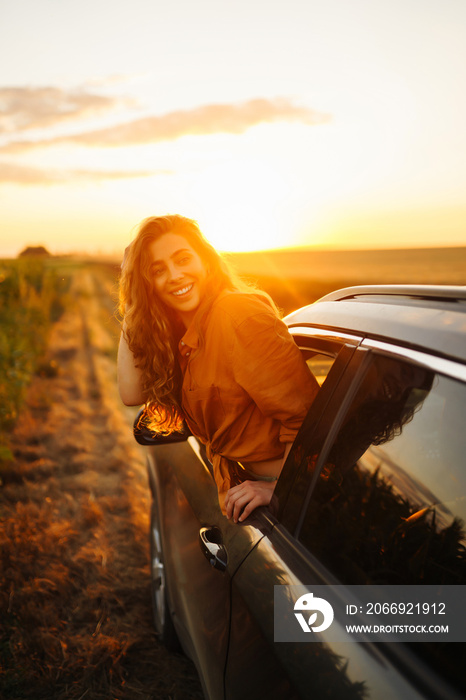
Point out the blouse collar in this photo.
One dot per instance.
(191, 338)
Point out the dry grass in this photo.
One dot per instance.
(75, 586)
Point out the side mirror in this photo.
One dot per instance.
(144, 435)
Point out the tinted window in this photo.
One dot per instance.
(392, 491)
(389, 504)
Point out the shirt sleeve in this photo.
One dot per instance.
(269, 366)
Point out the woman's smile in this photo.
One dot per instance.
(178, 274)
(183, 291)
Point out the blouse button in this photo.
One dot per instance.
(188, 354)
(181, 342)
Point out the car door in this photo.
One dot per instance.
(202, 551)
(329, 531)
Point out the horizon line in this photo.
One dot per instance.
(282, 249)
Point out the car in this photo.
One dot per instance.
(372, 494)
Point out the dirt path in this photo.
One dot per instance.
(75, 617)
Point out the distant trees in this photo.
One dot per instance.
(34, 252)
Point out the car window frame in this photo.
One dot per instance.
(367, 350)
(440, 365)
(292, 485)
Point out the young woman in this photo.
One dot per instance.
(198, 344)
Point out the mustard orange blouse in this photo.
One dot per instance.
(246, 387)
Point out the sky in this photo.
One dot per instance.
(337, 124)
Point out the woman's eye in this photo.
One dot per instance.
(185, 260)
(157, 271)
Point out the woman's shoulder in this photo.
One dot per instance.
(239, 306)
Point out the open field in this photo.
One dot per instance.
(297, 277)
(413, 265)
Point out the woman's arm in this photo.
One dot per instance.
(129, 376)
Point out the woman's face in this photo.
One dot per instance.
(178, 274)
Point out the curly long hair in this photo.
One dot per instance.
(152, 329)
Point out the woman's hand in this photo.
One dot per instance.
(241, 500)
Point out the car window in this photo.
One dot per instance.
(319, 364)
(394, 476)
(389, 503)
(326, 359)
(320, 353)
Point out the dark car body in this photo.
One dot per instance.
(373, 492)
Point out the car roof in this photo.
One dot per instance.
(430, 318)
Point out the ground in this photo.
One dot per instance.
(74, 562)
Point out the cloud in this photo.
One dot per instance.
(24, 108)
(209, 119)
(114, 79)
(23, 175)
(18, 174)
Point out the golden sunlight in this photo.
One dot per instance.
(280, 186)
(239, 205)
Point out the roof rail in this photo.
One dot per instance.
(421, 317)
(413, 291)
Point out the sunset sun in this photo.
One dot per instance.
(239, 203)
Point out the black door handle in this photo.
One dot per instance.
(210, 539)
